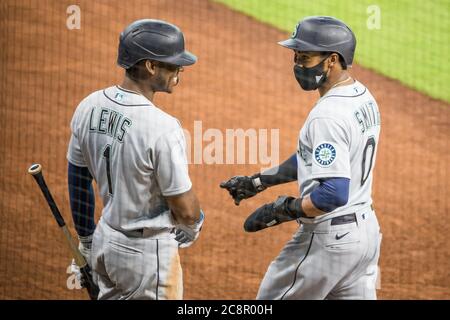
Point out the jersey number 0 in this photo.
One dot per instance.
(370, 143)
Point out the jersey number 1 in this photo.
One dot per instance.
(107, 155)
(370, 143)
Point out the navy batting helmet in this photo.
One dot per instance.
(153, 40)
(322, 34)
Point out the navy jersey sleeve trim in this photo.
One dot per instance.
(331, 193)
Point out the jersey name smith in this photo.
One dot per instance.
(367, 116)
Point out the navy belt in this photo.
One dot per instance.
(347, 218)
(140, 233)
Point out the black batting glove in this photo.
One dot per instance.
(282, 210)
(243, 187)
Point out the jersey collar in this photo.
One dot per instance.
(354, 89)
(125, 97)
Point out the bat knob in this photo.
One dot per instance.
(34, 169)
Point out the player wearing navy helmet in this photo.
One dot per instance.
(334, 253)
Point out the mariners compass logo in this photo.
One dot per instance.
(295, 32)
(325, 154)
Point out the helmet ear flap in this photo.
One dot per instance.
(125, 54)
(342, 62)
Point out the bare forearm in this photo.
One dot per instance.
(185, 207)
(309, 209)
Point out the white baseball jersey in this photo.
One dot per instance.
(136, 154)
(340, 139)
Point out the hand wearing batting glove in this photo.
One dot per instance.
(84, 247)
(282, 210)
(243, 187)
(187, 234)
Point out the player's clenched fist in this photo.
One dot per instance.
(243, 187)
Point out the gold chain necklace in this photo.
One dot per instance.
(340, 82)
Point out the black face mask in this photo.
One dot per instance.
(310, 78)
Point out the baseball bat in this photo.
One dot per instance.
(36, 171)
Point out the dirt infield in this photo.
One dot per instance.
(242, 80)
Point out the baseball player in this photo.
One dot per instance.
(334, 253)
(136, 153)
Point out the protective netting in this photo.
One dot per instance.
(243, 80)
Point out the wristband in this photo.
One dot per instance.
(256, 180)
(86, 241)
(295, 209)
(199, 222)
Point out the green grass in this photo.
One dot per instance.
(412, 44)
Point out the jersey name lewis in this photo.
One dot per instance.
(109, 122)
